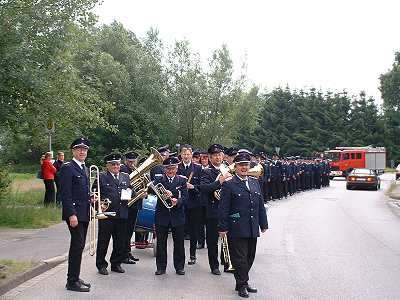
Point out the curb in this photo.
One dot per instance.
(43, 266)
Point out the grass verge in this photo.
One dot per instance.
(9, 268)
(24, 209)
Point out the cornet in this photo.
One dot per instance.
(101, 205)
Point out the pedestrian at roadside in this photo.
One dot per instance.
(48, 173)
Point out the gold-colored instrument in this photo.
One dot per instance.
(223, 169)
(161, 193)
(256, 171)
(139, 178)
(98, 209)
(225, 251)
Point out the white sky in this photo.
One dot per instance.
(325, 44)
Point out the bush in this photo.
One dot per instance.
(5, 182)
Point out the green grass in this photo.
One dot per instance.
(22, 176)
(8, 268)
(26, 210)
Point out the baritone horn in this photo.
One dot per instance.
(223, 169)
(139, 179)
(256, 171)
(97, 209)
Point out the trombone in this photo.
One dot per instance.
(225, 252)
(101, 205)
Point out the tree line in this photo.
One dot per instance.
(124, 92)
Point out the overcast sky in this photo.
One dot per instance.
(331, 45)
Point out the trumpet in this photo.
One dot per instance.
(225, 251)
(161, 193)
(100, 212)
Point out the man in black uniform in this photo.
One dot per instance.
(128, 167)
(114, 186)
(192, 172)
(241, 215)
(75, 198)
(211, 181)
(174, 217)
(158, 171)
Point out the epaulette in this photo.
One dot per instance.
(124, 173)
(66, 163)
(183, 176)
(196, 164)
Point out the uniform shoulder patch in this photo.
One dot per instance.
(124, 173)
(182, 176)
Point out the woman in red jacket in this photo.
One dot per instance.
(48, 172)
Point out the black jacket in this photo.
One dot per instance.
(209, 184)
(193, 172)
(74, 191)
(111, 189)
(176, 215)
(241, 211)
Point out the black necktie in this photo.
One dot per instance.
(170, 180)
(116, 178)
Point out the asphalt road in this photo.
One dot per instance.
(324, 244)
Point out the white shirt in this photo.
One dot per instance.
(78, 162)
(246, 181)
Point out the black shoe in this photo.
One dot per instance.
(251, 289)
(180, 272)
(77, 287)
(133, 258)
(84, 283)
(160, 272)
(103, 271)
(242, 292)
(200, 246)
(216, 272)
(187, 237)
(117, 269)
(128, 261)
(192, 261)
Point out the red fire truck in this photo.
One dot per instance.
(344, 159)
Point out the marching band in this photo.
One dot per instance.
(215, 194)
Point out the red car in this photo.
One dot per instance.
(363, 178)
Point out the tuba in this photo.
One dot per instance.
(98, 209)
(223, 169)
(256, 171)
(139, 178)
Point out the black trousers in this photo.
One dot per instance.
(115, 228)
(202, 229)
(243, 252)
(130, 227)
(76, 246)
(49, 195)
(212, 242)
(178, 236)
(194, 221)
(57, 182)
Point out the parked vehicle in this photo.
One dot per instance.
(345, 159)
(363, 178)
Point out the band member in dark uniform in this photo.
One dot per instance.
(241, 215)
(211, 181)
(192, 172)
(58, 164)
(128, 167)
(75, 198)
(115, 186)
(174, 217)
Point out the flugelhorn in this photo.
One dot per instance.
(161, 193)
(139, 179)
(98, 209)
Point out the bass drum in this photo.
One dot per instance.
(145, 217)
